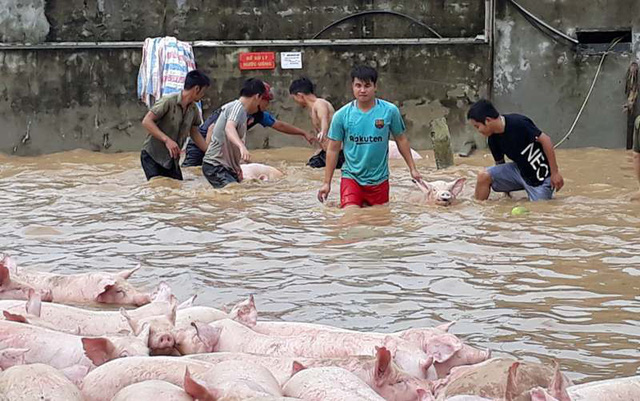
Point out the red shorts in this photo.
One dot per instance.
(352, 193)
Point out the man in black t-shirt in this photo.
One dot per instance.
(533, 167)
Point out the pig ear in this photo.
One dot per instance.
(456, 186)
(442, 347)
(197, 390)
(34, 304)
(423, 186)
(104, 286)
(188, 303)
(208, 334)
(391, 345)
(445, 327)
(133, 323)
(297, 367)
(144, 333)
(511, 390)
(558, 386)
(127, 273)
(12, 356)
(172, 313)
(4, 274)
(383, 366)
(14, 317)
(540, 394)
(162, 294)
(245, 312)
(98, 349)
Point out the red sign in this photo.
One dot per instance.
(257, 61)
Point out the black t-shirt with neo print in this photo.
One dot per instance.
(519, 143)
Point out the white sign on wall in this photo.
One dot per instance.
(291, 60)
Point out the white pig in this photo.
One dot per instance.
(394, 153)
(626, 388)
(36, 382)
(149, 390)
(228, 335)
(86, 288)
(439, 193)
(329, 384)
(10, 287)
(74, 355)
(262, 172)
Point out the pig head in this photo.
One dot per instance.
(161, 328)
(113, 288)
(440, 193)
(262, 172)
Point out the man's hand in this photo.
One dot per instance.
(323, 193)
(415, 174)
(173, 148)
(557, 182)
(310, 138)
(244, 154)
(321, 136)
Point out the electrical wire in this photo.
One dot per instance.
(530, 17)
(586, 99)
(370, 12)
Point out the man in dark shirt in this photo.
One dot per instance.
(533, 167)
(194, 155)
(636, 153)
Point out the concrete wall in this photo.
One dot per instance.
(56, 100)
(548, 80)
(23, 21)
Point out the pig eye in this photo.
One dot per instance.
(124, 354)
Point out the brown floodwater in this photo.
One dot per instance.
(561, 282)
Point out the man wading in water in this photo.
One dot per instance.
(321, 113)
(365, 126)
(168, 123)
(534, 166)
(636, 154)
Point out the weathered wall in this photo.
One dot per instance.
(63, 99)
(109, 20)
(58, 99)
(548, 80)
(23, 21)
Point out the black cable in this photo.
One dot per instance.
(543, 26)
(348, 17)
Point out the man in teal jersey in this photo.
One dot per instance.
(365, 126)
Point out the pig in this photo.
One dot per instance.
(627, 389)
(394, 153)
(228, 335)
(152, 390)
(104, 382)
(161, 329)
(439, 193)
(446, 349)
(233, 380)
(379, 372)
(87, 288)
(262, 172)
(74, 355)
(497, 379)
(72, 320)
(36, 382)
(329, 384)
(244, 312)
(10, 288)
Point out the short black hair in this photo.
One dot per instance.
(196, 78)
(252, 87)
(364, 73)
(302, 85)
(481, 110)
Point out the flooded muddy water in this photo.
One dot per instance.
(561, 282)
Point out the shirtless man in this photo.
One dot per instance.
(321, 113)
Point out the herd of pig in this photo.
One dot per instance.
(169, 351)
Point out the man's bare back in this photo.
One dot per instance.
(321, 114)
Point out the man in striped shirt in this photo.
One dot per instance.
(226, 141)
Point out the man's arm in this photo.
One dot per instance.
(324, 115)
(197, 138)
(405, 150)
(232, 133)
(557, 182)
(332, 160)
(149, 123)
(289, 129)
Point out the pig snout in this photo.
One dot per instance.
(165, 341)
(444, 198)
